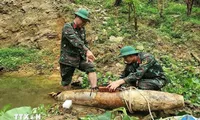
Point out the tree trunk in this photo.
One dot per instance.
(189, 4)
(135, 18)
(117, 2)
(129, 12)
(161, 7)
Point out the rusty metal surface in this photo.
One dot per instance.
(105, 89)
(138, 99)
(109, 100)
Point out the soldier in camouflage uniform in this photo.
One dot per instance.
(75, 52)
(141, 71)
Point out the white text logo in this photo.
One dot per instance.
(27, 117)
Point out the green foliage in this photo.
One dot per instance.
(137, 3)
(146, 10)
(42, 110)
(103, 79)
(4, 109)
(67, 8)
(118, 113)
(12, 58)
(177, 9)
(10, 114)
(182, 81)
(113, 28)
(77, 1)
(108, 3)
(105, 116)
(85, 82)
(124, 115)
(87, 2)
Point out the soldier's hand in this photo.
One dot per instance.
(89, 56)
(115, 84)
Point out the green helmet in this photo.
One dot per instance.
(83, 13)
(127, 50)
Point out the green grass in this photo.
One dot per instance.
(103, 79)
(195, 20)
(177, 9)
(12, 58)
(183, 81)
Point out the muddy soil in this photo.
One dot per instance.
(76, 112)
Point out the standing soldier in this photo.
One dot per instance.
(141, 71)
(75, 52)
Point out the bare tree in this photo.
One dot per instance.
(161, 7)
(132, 7)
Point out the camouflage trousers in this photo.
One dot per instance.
(150, 84)
(67, 71)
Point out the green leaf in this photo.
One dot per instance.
(10, 115)
(120, 109)
(105, 116)
(4, 109)
(126, 117)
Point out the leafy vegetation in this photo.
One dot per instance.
(184, 81)
(4, 109)
(11, 114)
(118, 113)
(103, 79)
(14, 57)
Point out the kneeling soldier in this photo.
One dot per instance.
(141, 71)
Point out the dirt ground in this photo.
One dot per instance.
(78, 111)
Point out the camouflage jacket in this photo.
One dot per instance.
(73, 45)
(145, 68)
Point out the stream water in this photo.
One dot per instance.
(18, 90)
(31, 91)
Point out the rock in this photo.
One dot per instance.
(140, 47)
(51, 35)
(96, 38)
(119, 65)
(104, 22)
(106, 18)
(116, 39)
(104, 32)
